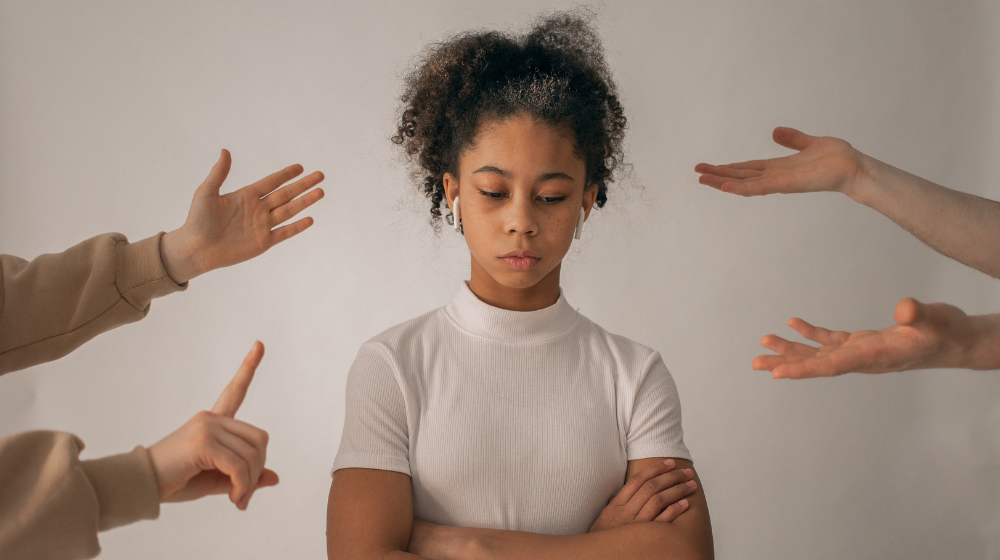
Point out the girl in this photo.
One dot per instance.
(500, 425)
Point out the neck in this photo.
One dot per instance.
(543, 294)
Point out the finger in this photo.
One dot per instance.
(767, 362)
(250, 457)
(734, 170)
(253, 435)
(289, 231)
(218, 174)
(289, 210)
(909, 311)
(817, 367)
(268, 478)
(791, 138)
(708, 168)
(818, 334)
(673, 512)
(290, 192)
(713, 181)
(755, 187)
(660, 502)
(234, 393)
(226, 461)
(654, 486)
(636, 481)
(274, 180)
(784, 347)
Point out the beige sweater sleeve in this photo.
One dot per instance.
(53, 304)
(52, 504)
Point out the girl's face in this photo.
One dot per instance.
(520, 187)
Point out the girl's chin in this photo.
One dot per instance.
(518, 279)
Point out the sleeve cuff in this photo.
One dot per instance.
(139, 272)
(126, 488)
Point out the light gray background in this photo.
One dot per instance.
(111, 113)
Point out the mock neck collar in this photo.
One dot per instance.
(482, 319)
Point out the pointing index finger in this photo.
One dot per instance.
(234, 393)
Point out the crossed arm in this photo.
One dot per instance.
(658, 514)
(959, 225)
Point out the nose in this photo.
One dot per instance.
(521, 216)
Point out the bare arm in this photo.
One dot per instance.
(369, 515)
(687, 536)
(962, 226)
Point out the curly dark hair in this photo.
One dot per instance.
(556, 72)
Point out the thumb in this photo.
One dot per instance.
(217, 175)
(791, 138)
(267, 478)
(909, 311)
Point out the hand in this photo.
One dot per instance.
(925, 336)
(654, 493)
(213, 453)
(822, 164)
(223, 230)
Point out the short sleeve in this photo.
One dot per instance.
(375, 430)
(655, 426)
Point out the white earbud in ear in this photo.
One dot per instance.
(579, 224)
(455, 216)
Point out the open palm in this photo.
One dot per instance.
(920, 339)
(822, 164)
(223, 230)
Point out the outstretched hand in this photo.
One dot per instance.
(822, 164)
(924, 336)
(223, 230)
(213, 453)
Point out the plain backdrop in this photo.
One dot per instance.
(112, 113)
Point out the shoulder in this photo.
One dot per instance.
(404, 338)
(630, 356)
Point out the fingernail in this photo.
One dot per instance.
(689, 472)
(691, 483)
(668, 462)
(683, 503)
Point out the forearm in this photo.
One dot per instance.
(52, 504)
(646, 540)
(55, 303)
(962, 226)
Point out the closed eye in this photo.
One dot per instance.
(491, 194)
(552, 199)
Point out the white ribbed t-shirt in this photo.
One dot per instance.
(508, 420)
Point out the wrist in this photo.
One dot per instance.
(178, 254)
(865, 180)
(982, 348)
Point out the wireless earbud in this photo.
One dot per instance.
(579, 224)
(455, 215)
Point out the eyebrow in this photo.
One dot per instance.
(507, 175)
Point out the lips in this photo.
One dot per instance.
(520, 260)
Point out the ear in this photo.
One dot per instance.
(589, 198)
(450, 189)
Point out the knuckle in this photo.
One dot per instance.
(202, 439)
(649, 487)
(660, 501)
